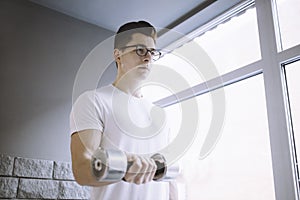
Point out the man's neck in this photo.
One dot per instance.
(130, 87)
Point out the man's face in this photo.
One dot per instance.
(133, 65)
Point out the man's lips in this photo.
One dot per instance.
(146, 68)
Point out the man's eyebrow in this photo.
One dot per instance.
(142, 45)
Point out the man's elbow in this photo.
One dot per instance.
(84, 178)
(80, 175)
(80, 181)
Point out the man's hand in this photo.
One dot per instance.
(142, 169)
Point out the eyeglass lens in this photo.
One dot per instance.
(142, 51)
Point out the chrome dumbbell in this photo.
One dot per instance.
(111, 165)
(164, 172)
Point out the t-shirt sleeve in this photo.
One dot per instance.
(86, 113)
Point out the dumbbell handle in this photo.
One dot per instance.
(112, 165)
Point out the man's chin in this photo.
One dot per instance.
(139, 73)
(142, 74)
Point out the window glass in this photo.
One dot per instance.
(170, 75)
(234, 43)
(239, 167)
(288, 12)
(293, 83)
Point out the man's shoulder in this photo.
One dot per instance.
(107, 89)
(96, 94)
(101, 94)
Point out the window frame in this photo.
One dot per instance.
(283, 158)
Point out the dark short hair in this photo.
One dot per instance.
(125, 32)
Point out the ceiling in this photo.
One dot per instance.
(182, 16)
(110, 14)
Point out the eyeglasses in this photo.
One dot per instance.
(142, 50)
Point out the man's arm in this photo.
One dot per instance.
(83, 144)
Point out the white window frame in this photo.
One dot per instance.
(271, 64)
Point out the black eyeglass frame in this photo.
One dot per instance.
(154, 52)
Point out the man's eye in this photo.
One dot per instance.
(154, 52)
(141, 51)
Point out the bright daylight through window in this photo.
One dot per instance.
(293, 84)
(288, 12)
(240, 165)
(233, 44)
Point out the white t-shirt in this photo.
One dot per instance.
(129, 124)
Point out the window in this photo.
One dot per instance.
(288, 13)
(239, 167)
(253, 158)
(292, 78)
(233, 44)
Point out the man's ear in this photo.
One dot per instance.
(117, 54)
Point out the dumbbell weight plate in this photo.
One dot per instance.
(161, 164)
(109, 165)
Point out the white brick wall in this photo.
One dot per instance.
(23, 178)
(24, 167)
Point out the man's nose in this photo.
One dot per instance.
(148, 57)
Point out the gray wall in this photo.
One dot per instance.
(40, 53)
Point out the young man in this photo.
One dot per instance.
(118, 117)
